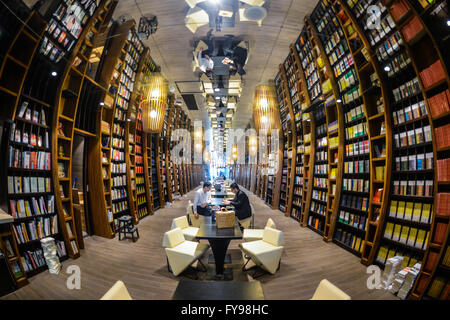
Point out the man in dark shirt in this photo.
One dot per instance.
(240, 202)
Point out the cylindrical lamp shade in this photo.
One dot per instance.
(265, 109)
(154, 103)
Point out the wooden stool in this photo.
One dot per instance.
(126, 227)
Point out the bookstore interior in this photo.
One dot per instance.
(139, 138)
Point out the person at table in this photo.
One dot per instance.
(202, 200)
(241, 206)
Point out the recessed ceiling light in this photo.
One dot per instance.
(216, 89)
(54, 73)
(448, 23)
(102, 103)
(338, 100)
(217, 98)
(387, 68)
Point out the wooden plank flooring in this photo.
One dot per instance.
(142, 265)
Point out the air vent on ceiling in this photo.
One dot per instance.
(255, 13)
(190, 102)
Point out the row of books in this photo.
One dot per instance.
(439, 103)
(142, 212)
(21, 208)
(433, 74)
(38, 160)
(439, 289)
(118, 193)
(410, 236)
(119, 206)
(357, 166)
(349, 239)
(442, 135)
(415, 162)
(389, 47)
(412, 137)
(354, 113)
(351, 219)
(316, 222)
(117, 155)
(357, 148)
(318, 208)
(418, 188)
(118, 143)
(320, 182)
(355, 202)
(23, 185)
(406, 90)
(35, 229)
(414, 111)
(356, 185)
(33, 115)
(120, 181)
(118, 168)
(32, 260)
(411, 211)
(398, 63)
(321, 169)
(29, 137)
(356, 131)
(351, 95)
(386, 252)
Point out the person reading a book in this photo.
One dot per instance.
(202, 200)
(240, 203)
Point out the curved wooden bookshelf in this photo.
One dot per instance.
(335, 153)
(64, 118)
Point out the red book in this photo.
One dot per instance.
(377, 195)
(446, 293)
(423, 282)
(443, 203)
(12, 204)
(431, 261)
(439, 232)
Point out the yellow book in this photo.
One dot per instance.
(27, 209)
(412, 237)
(382, 253)
(361, 248)
(421, 234)
(391, 253)
(408, 211)
(404, 234)
(389, 229)
(396, 234)
(426, 213)
(412, 262)
(393, 209)
(417, 211)
(379, 173)
(425, 243)
(405, 261)
(401, 209)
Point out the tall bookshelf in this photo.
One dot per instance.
(74, 111)
(299, 187)
(107, 153)
(291, 87)
(27, 171)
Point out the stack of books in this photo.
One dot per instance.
(443, 203)
(439, 103)
(412, 28)
(442, 136)
(409, 279)
(399, 9)
(434, 73)
(443, 168)
(392, 267)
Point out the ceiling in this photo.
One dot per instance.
(172, 45)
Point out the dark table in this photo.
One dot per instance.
(219, 239)
(217, 202)
(217, 290)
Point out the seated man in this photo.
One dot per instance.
(240, 202)
(205, 63)
(237, 61)
(202, 200)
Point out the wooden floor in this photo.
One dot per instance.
(142, 265)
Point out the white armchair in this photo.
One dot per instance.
(257, 234)
(265, 253)
(328, 291)
(117, 292)
(190, 212)
(182, 222)
(180, 252)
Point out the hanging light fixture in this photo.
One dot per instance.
(265, 108)
(253, 145)
(234, 152)
(154, 103)
(206, 156)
